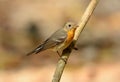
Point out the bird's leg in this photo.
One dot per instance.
(75, 48)
(61, 57)
(58, 54)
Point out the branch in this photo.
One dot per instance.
(65, 55)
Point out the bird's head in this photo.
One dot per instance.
(70, 25)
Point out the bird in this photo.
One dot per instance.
(59, 40)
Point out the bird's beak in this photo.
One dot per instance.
(76, 26)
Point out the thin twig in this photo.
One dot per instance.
(65, 55)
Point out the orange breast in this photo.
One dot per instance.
(70, 36)
(66, 43)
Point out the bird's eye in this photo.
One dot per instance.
(69, 25)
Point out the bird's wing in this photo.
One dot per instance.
(57, 38)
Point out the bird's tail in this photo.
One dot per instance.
(37, 50)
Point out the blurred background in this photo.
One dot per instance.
(26, 23)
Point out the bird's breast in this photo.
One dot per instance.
(68, 40)
(70, 36)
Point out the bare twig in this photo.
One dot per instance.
(65, 55)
